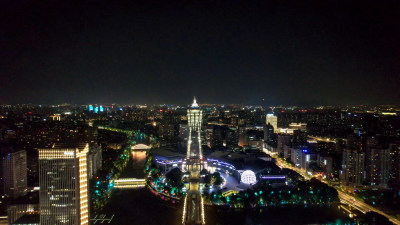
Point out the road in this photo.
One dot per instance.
(364, 207)
(231, 182)
(193, 209)
(344, 197)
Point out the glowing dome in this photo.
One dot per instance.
(248, 177)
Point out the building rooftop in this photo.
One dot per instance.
(243, 161)
(30, 219)
(73, 145)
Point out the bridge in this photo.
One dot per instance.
(140, 147)
(138, 154)
(193, 206)
(128, 183)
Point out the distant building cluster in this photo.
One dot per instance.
(49, 154)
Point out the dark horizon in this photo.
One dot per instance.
(238, 52)
(205, 103)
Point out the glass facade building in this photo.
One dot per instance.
(63, 182)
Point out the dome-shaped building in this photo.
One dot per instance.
(248, 177)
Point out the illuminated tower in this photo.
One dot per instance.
(63, 182)
(195, 118)
(193, 207)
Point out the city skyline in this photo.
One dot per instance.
(107, 165)
(200, 112)
(288, 53)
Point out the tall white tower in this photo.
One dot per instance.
(193, 208)
(195, 118)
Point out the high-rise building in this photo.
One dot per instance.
(379, 162)
(395, 163)
(307, 158)
(272, 120)
(299, 139)
(183, 131)
(95, 160)
(166, 134)
(63, 181)
(242, 133)
(296, 156)
(193, 209)
(14, 172)
(218, 137)
(353, 167)
(208, 135)
(255, 139)
(232, 138)
(287, 152)
(326, 163)
(183, 136)
(268, 131)
(282, 141)
(195, 118)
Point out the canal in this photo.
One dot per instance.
(135, 167)
(143, 207)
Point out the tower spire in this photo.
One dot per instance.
(194, 105)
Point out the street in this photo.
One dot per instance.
(344, 197)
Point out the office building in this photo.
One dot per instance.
(63, 181)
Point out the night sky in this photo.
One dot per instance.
(285, 52)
